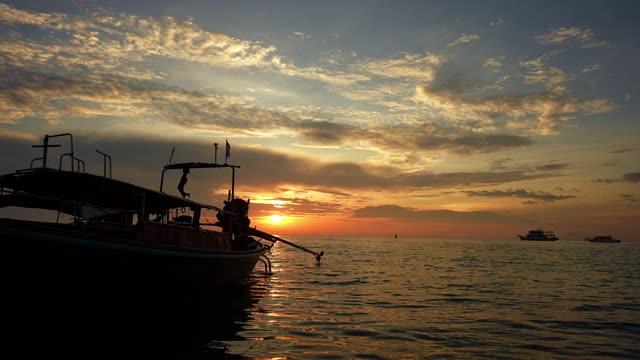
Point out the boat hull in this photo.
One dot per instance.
(69, 263)
(63, 294)
(526, 238)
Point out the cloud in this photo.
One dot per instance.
(563, 34)
(520, 193)
(53, 97)
(492, 141)
(298, 35)
(606, 181)
(95, 66)
(329, 133)
(621, 151)
(594, 44)
(294, 207)
(553, 78)
(563, 189)
(497, 22)
(552, 167)
(69, 58)
(494, 62)
(464, 39)
(419, 137)
(58, 98)
(592, 68)
(499, 164)
(299, 185)
(121, 43)
(337, 56)
(54, 21)
(133, 38)
(339, 78)
(15, 134)
(428, 180)
(539, 112)
(633, 177)
(471, 142)
(406, 65)
(371, 130)
(429, 216)
(629, 198)
(265, 169)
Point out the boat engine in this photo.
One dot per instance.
(235, 217)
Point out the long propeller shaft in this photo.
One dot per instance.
(273, 238)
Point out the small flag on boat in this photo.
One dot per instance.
(227, 152)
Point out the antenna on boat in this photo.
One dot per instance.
(171, 157)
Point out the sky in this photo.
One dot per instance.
(449, 119)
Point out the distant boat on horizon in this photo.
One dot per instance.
(602, 239)
(539, 235)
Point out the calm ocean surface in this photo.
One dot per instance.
(370, 298)
(385, 298)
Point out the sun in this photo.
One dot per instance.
(276, 219)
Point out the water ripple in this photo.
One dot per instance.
(429, 299)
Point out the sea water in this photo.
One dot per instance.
(410, 298)
(369, 298)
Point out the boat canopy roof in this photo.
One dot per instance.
(43, 186)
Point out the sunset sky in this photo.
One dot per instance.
(474, 119)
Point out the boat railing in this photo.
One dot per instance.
(267, 264)
(75, 162)
(82, 212)
(91, 215)
(104, 163)
(73, 158)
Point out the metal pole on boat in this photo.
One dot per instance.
(273, 238)
(44, 151)
(104, 163)
(215, 157)
(45, 147)
(233, 182)
(171, 157)
(142, 217)
(318, 256)
(72, 156)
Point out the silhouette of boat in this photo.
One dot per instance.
(539, 235)
(602, 239)
(120, 237)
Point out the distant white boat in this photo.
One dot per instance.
(539, 235)
(602, 239)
